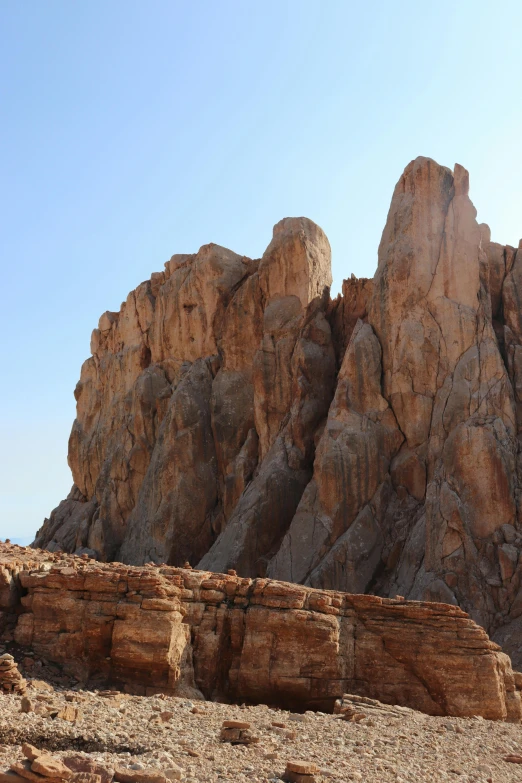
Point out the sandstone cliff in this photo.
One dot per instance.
(181, 631)
(233, 415)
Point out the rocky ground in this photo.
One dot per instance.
(182, 738)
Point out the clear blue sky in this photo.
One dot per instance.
(130, 131)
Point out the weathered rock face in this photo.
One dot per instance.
(230, 638)
(414, 486)
(200, 403)
(233, 415)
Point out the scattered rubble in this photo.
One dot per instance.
(114, 741)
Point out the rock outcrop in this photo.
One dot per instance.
(233, 415)
(11, 681)
(198, 409)
(187, 632)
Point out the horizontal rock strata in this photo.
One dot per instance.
(186, 632)
(235, 416)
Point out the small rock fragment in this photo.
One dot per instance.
(30, 752)
(51, 767)
(26, 705)
(302, 767)
(300, 772)
(70, 714)
(77, 764)
(85, 777)
(23, 768)
(237, 733)
(513, 758)
(11, 681)
(139, 776)
(235, 724)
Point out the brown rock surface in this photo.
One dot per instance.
(195, 633)
(51, 767)
(11, 681)
(234, 416)
(30, 752)
(206, 370)
(80, 765)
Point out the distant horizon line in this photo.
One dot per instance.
(22, 540)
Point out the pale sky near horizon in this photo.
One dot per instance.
(130, 131)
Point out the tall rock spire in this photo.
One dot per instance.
(232, 414)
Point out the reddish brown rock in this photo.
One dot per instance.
(25, 771)
(30, 752)
(123, 775)
(50, 767)
(347, 309)
(189, 387)
(70, 714)
(233, 416)
(300, 772)
(11, 681)
(83, 765)
(513, 758)
(237, 733)
(304, 768)
(196, 633)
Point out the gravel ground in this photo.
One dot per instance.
(123, 730)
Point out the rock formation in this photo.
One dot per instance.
(233, 415)
(11, 681)
(186, 632)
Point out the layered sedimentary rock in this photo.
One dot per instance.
(233, 415)
(184, 631)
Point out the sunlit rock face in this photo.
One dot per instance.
(160, 629)
(233, 415)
